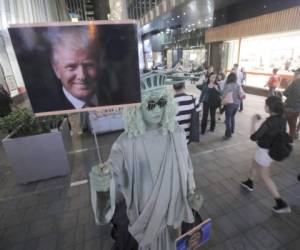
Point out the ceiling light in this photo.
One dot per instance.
(189, 25)
(184, 13)
(172, 19)
(199, 22)
(193, 24)
(178, 16)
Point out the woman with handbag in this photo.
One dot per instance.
(211, 99)
(232, 96)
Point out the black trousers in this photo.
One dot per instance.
(208, 109)
(121, 235)
(241, 106)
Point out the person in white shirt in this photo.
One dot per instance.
(240, 81)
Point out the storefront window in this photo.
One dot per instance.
(231, 53)
(259, 55)
(157, 58)
(193, 57)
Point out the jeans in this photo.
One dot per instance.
(230, 111)
(212, 110)
(292, 118)
(271, 91)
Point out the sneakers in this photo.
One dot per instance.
(226, 138)
(281, 207)
(248, 184)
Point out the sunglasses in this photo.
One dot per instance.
(152, 104)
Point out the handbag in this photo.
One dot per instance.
(228, 98)
(195, 131)
(242, 94)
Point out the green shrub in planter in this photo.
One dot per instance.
(24, 123)
(33, 149)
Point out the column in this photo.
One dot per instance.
(118, 9)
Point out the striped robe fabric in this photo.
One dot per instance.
(186, 105)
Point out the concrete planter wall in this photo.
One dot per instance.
(107, 123)
(40, 156)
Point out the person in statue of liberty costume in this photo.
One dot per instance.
(150, 166)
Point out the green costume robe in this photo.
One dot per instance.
(152, 172)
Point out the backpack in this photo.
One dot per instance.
(280, 147)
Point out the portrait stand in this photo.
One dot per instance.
(101, 196)
(97, 147)
(96, 143)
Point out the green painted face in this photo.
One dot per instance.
(153, 107)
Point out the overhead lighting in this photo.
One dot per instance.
(193, 24)
(172, 19)
(194, 29)
(184, 13)
(199, 22)
(189, 25)
(178, 16)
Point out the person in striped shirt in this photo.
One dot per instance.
(186, 105)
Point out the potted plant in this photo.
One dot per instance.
(35, 146)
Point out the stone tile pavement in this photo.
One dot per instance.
(54, 215)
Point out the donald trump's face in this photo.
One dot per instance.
(77, 71)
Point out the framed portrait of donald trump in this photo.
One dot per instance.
(71, 67)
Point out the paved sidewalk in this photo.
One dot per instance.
(53, 215)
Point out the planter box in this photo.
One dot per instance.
(38, 157)
(106, 123)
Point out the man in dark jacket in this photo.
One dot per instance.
(292, 104)
(5, 102)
